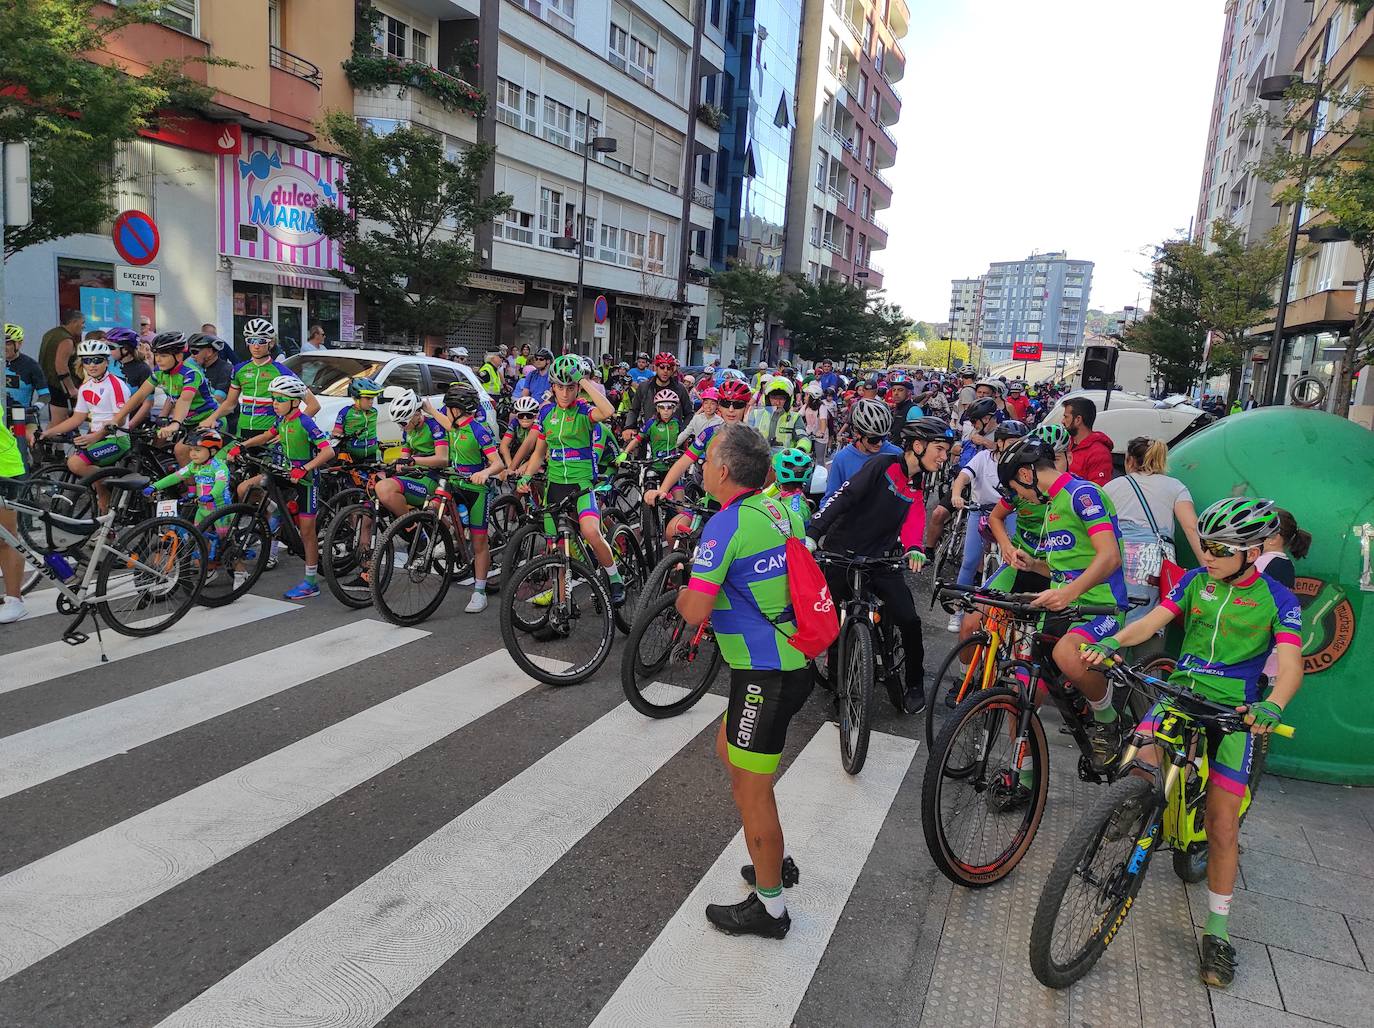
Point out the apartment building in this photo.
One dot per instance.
(231, 191)
(965, 309)
(1259, 40)
(1043, 298)
(851, 62)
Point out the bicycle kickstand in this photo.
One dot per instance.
(73, 636)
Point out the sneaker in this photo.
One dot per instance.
(955, 620)
(271, 563)
(748, 917)
(914, 700)
(1105, 739)
(617, 594)
(791, 875)
(12, 610)
(240, 579)
(1217, 967)
(1007, 794)
(304, 591)
(476, 604)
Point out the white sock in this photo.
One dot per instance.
(775, 904)
(479, 584)
(1103, 703)
(1218, 904)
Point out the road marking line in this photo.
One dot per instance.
(55, 659)
(40, 603)
(43, 753)
(59, 898)
(353, 962)
(693, 974)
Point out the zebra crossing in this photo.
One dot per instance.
(361, 824)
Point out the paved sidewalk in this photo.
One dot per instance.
(1302, 924)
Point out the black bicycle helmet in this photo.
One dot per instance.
(929, 430)
(461, 396)
(1010, 430)
(169, 342)
(980, 409)
(1029, 451)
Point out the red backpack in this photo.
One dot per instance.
(813, 610)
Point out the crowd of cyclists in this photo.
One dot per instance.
(893, 467)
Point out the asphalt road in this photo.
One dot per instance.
(286, 813)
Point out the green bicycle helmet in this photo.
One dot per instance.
(792, 467)
(566, 369)
(361, 386)
(1056, 435)
(1238, 521)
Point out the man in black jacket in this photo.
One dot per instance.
(642, 403)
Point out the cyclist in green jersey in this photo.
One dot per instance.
(472, 448)
(659, 433)
(1233, 617)
(355, 429)
(306, 449)
(791, 476)
(248, 401)
(563, 436)
(190, 400)
(1018, 526)
(1082, 547)
(523, 414)
(424, 451)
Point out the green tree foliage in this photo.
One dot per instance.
(941, 353)
(924, 332)
(1172, 333)
(829, 319)
(891, 332)
(413, 213)
(750, 297)
(75, 113)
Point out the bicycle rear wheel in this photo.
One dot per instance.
(625, 551)
(422, 559)
(576, 627)
(346, 554)
(667, 664)
(1093, 882)
(667, 576)
(240, 543)
(854, 687)
(979, 815)
(152, 576)
(960, 673)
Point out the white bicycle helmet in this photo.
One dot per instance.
(458, 352)
(93, 348)
(289, 386)
(665, 396)
(260, 328)
(403, 406)
(871, 417)
(995, 384)
(526, 405)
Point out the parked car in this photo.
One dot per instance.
(328, 372)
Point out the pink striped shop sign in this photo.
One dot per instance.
(268, 195)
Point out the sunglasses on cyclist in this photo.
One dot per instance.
(1219, 549)
(666, 406)
(733, 404)
(874, 440)
(93, 360)
(541, 360)
(525, 417)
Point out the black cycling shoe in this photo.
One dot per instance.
(748, 917)
(790, 874)
(1105, 739)
(1218, 965)
(914, 700)
(617, 594)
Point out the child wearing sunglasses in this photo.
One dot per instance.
(523, 416)
(660, 433)
(99, 396)
(1233, 616)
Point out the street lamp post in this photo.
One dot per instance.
(949, 355)
(599, 144)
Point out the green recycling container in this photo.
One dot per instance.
(1321, 468)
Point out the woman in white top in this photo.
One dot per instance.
(981, 473)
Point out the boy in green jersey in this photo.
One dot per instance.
(248, 401)
(1233, 617)
(190, 401)
(791, 475)
(424, 451)
(659, 434)
(472, 449)
(355, 429)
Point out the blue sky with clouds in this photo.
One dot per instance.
(1046, 125)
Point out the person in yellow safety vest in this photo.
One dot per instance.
(776, 421)
(490, 373)
(760, 378)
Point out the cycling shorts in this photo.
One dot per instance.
(1235, 759)
(307, 495)
(107, 452)
(1009, 579)
(556, 492)
(762, 704)
(474, 498)
(417, 489)
(1095, 629)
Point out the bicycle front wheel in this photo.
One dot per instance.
(569, 602)
(667, 576)
(240, 543)
(854, 687)
(151, 576)
(346, 554)
(667, 664)
(984, 790)
(412, 568)
(1093, 882)
(625, 551)
(961, 673)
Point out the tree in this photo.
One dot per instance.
(407, 234)
(74, 113)
(750, 297)
(925, 332)
(1347, 196)
(891, 331)
(942, 353)
(830, 319)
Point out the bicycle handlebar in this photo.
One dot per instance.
(896, 562)
(1020, 603)
(1218, 712)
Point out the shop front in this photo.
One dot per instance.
(274, 261)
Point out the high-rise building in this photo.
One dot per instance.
(965, 306)
(847, 103)
(1259, 40)
(1043, 298)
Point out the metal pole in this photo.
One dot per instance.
(582, 229)
(4, 217)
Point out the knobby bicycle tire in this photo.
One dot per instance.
(854, 687)
(949, 680)
(384, 579)
(656, 582)
(343, 561)
(244, 538)
(637, 668)
(185, 586)
(625, 551)
(514, 637)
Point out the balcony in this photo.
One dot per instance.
(704, 198)
(374, 72)
(295, 89)
(898, 18)
(894, 66)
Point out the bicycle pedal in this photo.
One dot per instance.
(74, 638)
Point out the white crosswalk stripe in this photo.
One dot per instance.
(40, 754)
(55, 659)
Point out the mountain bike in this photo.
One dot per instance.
(869, 649)
(1099, 871)
(987, 777)
(347, 545)
(949, 548)
(667, 664)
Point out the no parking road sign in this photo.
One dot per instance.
(135, 237)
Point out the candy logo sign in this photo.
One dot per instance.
(1328, 623)
(270, 196)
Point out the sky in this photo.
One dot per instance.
(1028, 125)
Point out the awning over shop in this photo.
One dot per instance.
(270, 273)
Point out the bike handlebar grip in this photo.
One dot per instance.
(1284, 730)
(1098, 610)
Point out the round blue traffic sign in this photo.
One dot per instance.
(136, 237)
(600, 310)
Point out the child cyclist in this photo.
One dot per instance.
(307, 450)
(424, 452)
(99, 396)
(564, 436)
(472, 448)
(1232, 617)
(208, 476)
(190, 401)
(523, 414)
(355, 429)
(791, 475)
(660, 434)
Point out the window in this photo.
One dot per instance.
(632, 55)
(631, 248)
(863, 89)
(852, 197)
(558, 123)
(182, 15)
(878, 50)
(509, 99)
(589, 235)
(860, 255)
(873, 97)
(817, 221)
(440, 378)
(550, 214)
(848, 241)
(658, 244)
(825, 110)
(419, 46)
(868, 157)
(610, 240)
(395, 37)
(832, 54)
(586, 130)
(867, 208)
(822, 162)
(813, 271)
(517, 226)
(274, 23)
(407, 375)
(559, 14)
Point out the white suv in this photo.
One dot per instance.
(328, 372)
